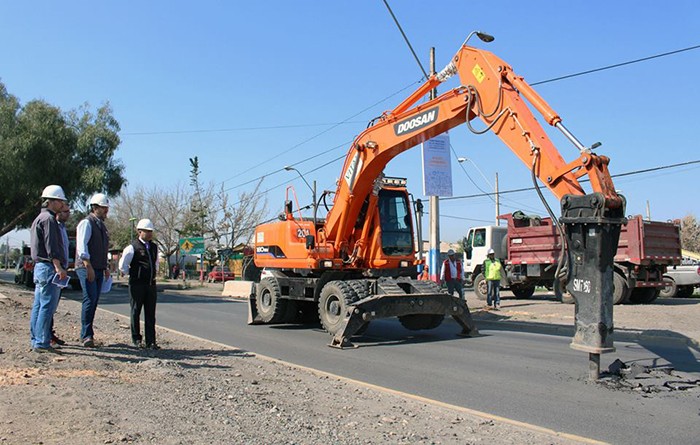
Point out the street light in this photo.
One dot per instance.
(313, 189)
(461, 160)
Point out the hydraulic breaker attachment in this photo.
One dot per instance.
(592, 232)
(387, 306)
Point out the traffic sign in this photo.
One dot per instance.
(192, 246)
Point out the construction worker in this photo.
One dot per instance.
(49, 259)
(451, 274)
(91, 266)
(140, 261)
(492, 273)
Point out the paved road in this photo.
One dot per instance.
(528, 377)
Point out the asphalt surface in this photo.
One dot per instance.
(521, 374)
(525, 376)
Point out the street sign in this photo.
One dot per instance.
(192, 246)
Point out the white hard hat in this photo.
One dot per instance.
(450, 252)
(53, 192)
(145, 224)
(100, 199)
(491, 251)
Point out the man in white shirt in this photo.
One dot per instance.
(140, 261)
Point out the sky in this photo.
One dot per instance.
(249, 87)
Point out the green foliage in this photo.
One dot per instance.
(42, 145)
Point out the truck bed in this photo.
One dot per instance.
(641, 242)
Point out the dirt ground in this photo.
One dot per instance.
(195, 392)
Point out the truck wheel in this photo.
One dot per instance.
(522, 292)
(621, 292)
(271, 307)
(685, 291)
(643, 295)
(333, 303)
(564, 296)
(480, 288)
(670, 290)
(417, 322)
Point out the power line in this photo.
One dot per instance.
(398, 25)
(223, 130)
(619, 175)
(617, 65)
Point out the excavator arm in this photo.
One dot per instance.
(491, 91)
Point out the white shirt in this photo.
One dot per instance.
(127, 256)
(453, 270)
(82, 235)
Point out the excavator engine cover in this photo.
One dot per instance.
(592, 233)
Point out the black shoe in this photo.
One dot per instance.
(57, 340)
(88, 342)
(153, 346)
(137, 344)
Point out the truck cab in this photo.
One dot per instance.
(479, 241)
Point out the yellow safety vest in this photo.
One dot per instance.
(492, 270)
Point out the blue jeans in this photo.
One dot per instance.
(494, 292)
(45, 303)
(91, 296)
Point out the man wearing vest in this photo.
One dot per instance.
(451, 274)
(492, 273)
(140, 261)
(92, 246)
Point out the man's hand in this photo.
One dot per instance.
(90, 273)
(62, 274)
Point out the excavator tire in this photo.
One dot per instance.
(361, 289)
(271, 307)
(332, 304)
(419, 322)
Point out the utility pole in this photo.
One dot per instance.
(498, 206)
(434, 254)
(648, 211)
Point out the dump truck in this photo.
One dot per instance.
(530, 247)
(359, 263)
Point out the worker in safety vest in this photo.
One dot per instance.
(492, 273)
(451, 274)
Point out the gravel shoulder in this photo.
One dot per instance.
(197, 392)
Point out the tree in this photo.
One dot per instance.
(42, 145)
(690, 233)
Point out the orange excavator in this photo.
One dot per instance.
(359, 263)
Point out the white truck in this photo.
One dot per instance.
(682, 280)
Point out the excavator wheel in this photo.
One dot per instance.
(333, 303)
(361, 289)
(271, 307)
(417, 322)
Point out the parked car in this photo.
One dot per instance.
(682, 280)
(216, 274)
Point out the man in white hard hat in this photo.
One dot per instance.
(91, 266)
(451, 274)
(140, 261)
(46, 243)
(492, 273)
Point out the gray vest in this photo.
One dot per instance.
(98, 244)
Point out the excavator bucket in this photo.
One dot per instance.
(423, 310)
